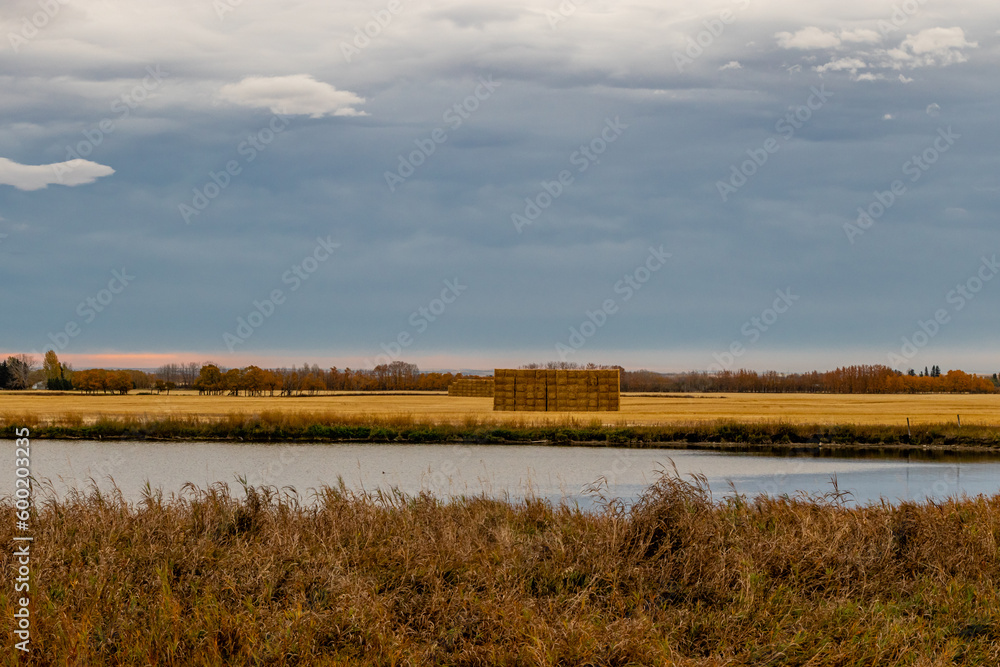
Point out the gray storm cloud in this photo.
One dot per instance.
(740, 111)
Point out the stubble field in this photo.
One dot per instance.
(438, 408)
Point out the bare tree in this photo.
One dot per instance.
(169, 373)
(20, 368)
(402, 375)
(189, 373)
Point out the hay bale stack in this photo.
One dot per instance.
(608, 390)
(537, 393)
(503, 389)
(561, 400)
(524, 390)
(556, 390)
(472, 387)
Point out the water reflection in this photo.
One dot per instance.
(551, 472)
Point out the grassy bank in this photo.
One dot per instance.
(275, 426)
(390, 580)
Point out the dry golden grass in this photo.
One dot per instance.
(211, 579)
(891, 409)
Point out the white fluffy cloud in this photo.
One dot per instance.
(298, 94)
(933, 47)
(851, 65)
(807, 38)
(816, 38)
(732, 64)
(38, 177)
(861, 35)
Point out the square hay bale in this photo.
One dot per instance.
(472, 387)
(556, 390)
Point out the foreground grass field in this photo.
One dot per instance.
(360, 580)
(883, 409)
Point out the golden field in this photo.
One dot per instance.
(636, 409)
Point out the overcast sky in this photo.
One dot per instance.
(659, 184)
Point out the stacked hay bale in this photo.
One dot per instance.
(471, 387)
(530, 391)
(565, 392)
(608, 390)
(552, 390)
(524, 391)
(503, 389)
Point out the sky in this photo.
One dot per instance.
(663, 185)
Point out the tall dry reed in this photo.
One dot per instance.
(268, 577)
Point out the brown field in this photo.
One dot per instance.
(636, 409)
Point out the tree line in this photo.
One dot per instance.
(863, 379)
(859, 379)
(23, 372)
(256, 381)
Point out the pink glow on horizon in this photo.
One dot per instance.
(665, 360)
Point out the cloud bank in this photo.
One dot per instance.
(39, 177)
(297, 94)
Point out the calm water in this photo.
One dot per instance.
(551, 472)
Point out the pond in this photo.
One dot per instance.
(551, 472)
